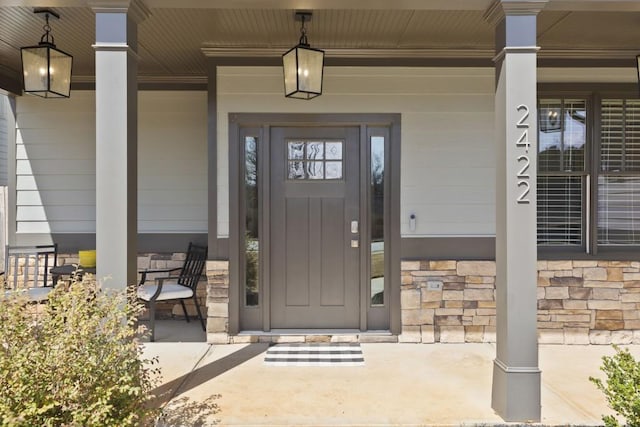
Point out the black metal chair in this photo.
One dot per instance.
(26, 269)
(184, 285)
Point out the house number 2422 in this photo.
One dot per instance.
(523, 159)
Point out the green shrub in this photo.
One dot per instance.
(73, 361)
(622, 387)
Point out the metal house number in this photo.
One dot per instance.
(523, 159)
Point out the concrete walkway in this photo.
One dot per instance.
(400, 384)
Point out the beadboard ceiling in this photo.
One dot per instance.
(171, 39)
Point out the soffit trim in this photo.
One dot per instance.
(152, 79)
(220, 52)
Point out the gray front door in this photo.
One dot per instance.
(315, 254)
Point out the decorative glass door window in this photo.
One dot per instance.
(314, 160)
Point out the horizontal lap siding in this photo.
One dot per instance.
(4, 139)
(55, 163)
(448, 162)
(172, 162)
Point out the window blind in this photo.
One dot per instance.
(560, 218)
(620, 138)
(618, 210)
(562, 139)
(632, 136)
(619, 181)
(612, 138)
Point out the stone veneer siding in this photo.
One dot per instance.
(218, 302)
(579, 302)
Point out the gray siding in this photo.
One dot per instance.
(448, 161)
(55, 164)
(4, 140)
(56, 161)
(172, 162)
(448, 149)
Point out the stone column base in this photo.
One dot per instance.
(218, 302)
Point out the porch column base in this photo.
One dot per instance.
(217, 302)
(515, 394)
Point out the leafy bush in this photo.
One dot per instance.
(622, 387)
(73, 361)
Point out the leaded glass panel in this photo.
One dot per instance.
(334, 150)
(333, 170)
(314, 160)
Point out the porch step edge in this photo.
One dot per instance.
(312, 332)
(313, 336)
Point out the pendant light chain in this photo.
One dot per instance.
(47, 37)
(303, 34)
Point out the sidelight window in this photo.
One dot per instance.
(377, 220)
(251, 221)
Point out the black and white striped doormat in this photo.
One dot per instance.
(315, 354)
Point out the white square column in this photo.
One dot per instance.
(117, 140)
(516, 375)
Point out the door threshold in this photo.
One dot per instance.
(277, 336)
(311, 332)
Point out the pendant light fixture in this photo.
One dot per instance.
(303, 66)
(46, 70)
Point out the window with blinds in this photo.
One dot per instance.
(620, 137)
(562, 142)
(619, 179)
(560, 207)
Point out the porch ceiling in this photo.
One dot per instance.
(171, 40)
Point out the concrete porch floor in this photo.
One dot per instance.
(400, 384)
(176, 330)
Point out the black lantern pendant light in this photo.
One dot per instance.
(303, 66)
(46, 70)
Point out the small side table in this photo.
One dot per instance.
(70, 271)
